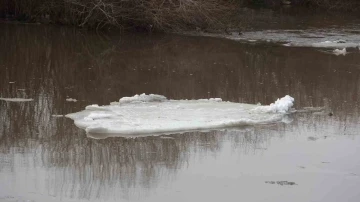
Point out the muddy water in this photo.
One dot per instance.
(44, 157)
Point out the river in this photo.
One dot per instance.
(45, 157)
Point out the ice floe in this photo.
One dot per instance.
(143, 115)
(324, 44)
(16, 99)
(317, 38)
(57, 115)
(335, 44)
(71, 100)
(340, 51)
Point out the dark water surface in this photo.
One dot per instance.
(43, 157)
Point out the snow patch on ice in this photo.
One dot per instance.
(211, 99)
(143, 115)
(16, 99)
(92, 107)
(98, 115)
(282, 105)
(142, 98)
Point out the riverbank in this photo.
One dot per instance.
(159, 15)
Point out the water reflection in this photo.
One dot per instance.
(46, 156)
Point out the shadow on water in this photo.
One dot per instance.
(50, 64)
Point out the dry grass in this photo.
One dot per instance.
(148, 14)
(349, 5)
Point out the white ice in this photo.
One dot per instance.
(142, 98)
(324, 44)
(281, 105)
(346, 37)
(16, 99)
(57, 115)
(143, 115)
(340, 51)
(335, 44)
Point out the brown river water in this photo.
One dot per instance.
(45, 157)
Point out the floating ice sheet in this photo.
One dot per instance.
(335, 44)
(319, 38)
(143, 115)
(16, 99)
